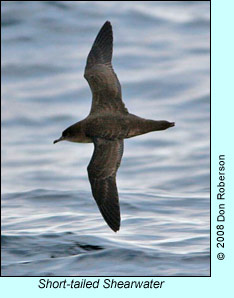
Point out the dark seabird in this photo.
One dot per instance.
(107, 125)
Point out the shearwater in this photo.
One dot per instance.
(107, 125)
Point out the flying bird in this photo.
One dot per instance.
(106, 126)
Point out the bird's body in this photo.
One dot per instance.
(107, 125)
(112, 126)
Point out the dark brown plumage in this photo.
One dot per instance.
(107, 125)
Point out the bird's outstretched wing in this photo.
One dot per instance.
(101, 77)
(102, 176)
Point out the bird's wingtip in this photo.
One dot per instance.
(115, 228)
(107, 23)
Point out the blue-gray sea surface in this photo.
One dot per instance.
(50, 222)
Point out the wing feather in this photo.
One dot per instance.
(102, 176)
(101, 77)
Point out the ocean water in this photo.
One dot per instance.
(50, 222)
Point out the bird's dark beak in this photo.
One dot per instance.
(172, 124)
(60, 139)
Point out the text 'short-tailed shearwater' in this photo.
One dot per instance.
(107, 125)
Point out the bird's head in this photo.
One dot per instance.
(74, 133)
(70, 133)
(65, 136)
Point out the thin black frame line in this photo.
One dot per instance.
(138, 276)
